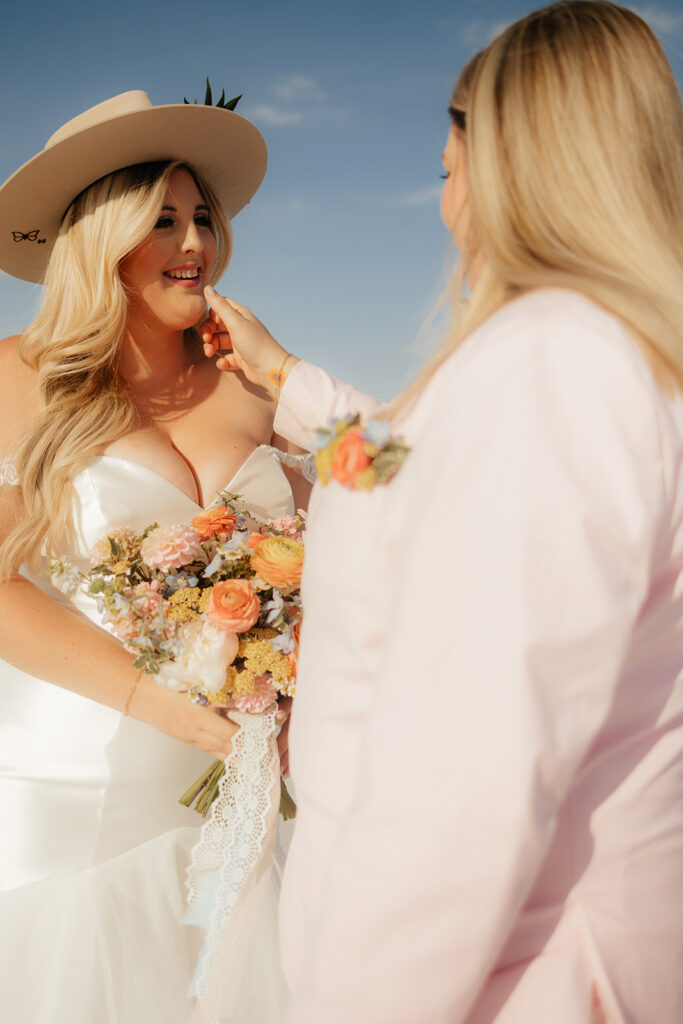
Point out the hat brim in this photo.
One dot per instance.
(226, 149)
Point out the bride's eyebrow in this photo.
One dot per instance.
(199, 206)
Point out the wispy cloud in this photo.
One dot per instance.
(664, 22)
(296, 205)
(424, 196)
(285, 207)
(266, 113)
(295, 88)
(295, 96)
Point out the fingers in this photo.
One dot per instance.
(227, 362)
(284, 765)
(217, 733)
(220, 340)
(244, 311)
(226, 705)
(251, 348)
(214, 336)
(283, 743)
(221, 304)
(228, 311)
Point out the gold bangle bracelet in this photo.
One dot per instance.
(131, 694)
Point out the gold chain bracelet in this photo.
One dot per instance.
(131, 694)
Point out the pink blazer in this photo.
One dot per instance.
(487, 740)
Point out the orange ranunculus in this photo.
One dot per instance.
(217, 521)
(350, 458)
(278, 561)
(254, 539)
(293, 656)
(233, 606)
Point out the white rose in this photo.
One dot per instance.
(202, 664)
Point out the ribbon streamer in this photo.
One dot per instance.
(231, 863)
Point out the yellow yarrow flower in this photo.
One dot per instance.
(180, 613)
(184, 604)
(259, 656)
(366, 479)
(187, 596)
(324, 458)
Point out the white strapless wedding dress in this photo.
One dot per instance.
(94, 845)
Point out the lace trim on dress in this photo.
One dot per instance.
(233, 858)
(303, 464)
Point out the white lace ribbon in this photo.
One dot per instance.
(234, 855)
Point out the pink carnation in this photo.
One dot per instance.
(287, 525)
(170, 547)
(146, 598)
(126, 630)
(264, 694)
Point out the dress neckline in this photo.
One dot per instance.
(169, 483)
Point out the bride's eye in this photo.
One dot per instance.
(164, 221)
(202, 220)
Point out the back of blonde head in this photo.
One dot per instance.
(574, 138)
(74, 345)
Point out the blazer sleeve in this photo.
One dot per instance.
(529, 512)
(310, 397)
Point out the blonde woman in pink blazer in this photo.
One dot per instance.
(487, 740)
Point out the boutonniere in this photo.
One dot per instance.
(357, 456)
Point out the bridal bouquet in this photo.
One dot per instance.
(212, 609)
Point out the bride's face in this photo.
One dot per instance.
(166, 274)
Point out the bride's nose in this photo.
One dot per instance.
(192, 241)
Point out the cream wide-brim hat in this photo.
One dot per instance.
(225, 148)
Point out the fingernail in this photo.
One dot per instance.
(209, 290)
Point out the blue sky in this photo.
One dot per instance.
(341, 252)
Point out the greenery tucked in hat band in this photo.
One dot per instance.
(208, 99)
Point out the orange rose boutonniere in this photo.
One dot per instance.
(357, 456)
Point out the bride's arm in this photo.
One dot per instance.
(42, 637)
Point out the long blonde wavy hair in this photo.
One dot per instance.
(74, 345)
(573, 128)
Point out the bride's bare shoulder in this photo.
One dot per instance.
(12, 362)
(18, 391)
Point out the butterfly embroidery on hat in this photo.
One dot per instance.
(28, 236)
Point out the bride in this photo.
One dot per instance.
(111, 417)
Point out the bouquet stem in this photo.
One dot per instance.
(205, 790)
(287, 805)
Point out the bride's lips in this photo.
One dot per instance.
(188, 275)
